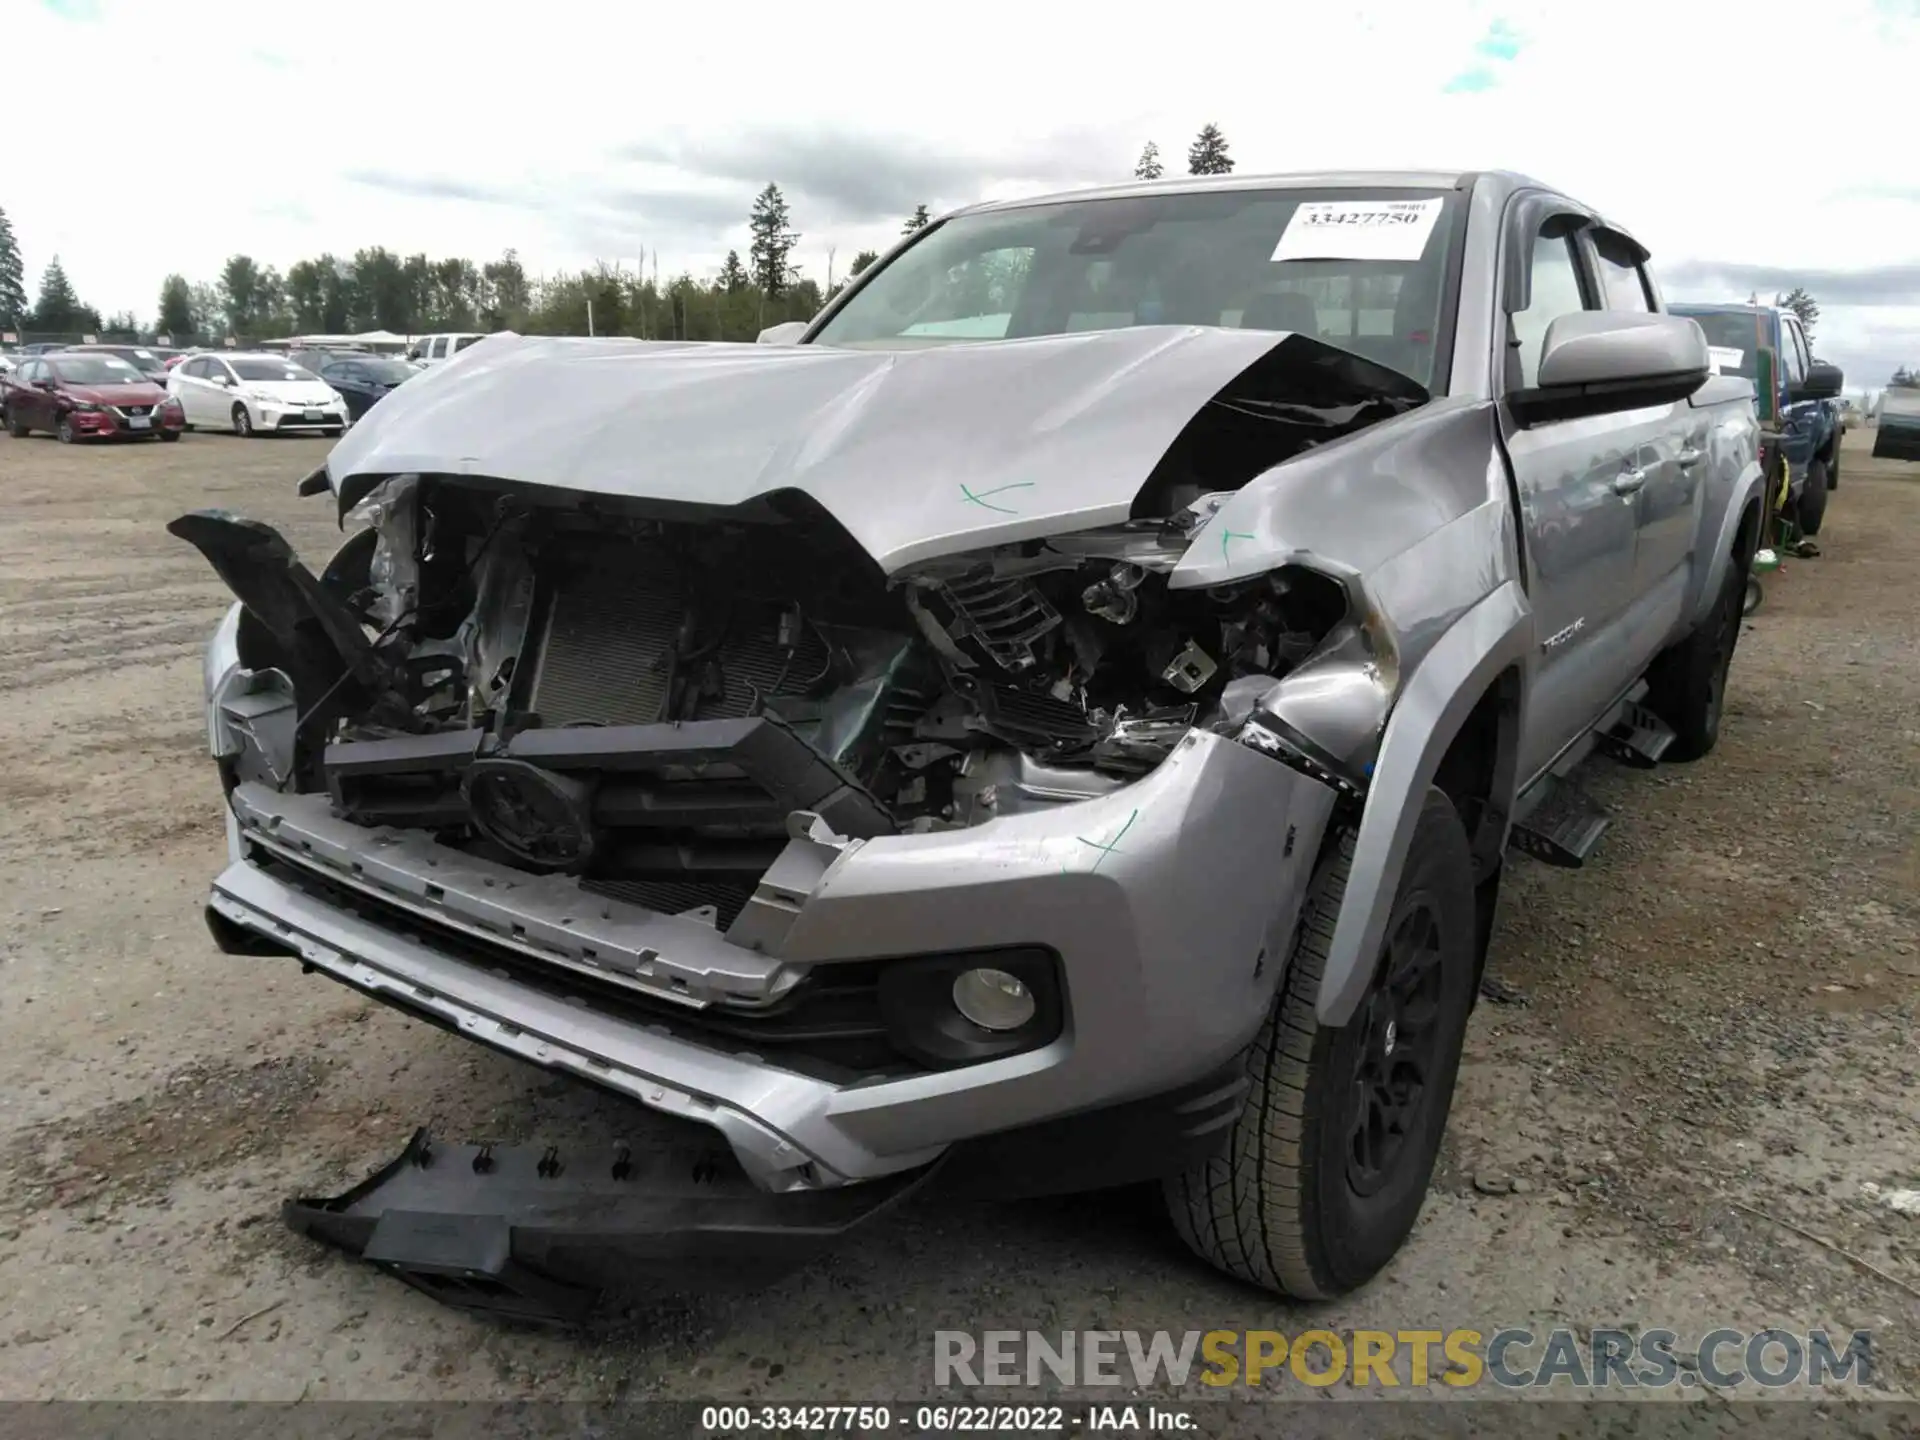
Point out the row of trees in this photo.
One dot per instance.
(378, 289)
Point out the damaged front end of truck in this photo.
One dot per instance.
(863, 762)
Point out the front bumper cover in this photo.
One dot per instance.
(1171, 903)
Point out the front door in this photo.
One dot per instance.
(1671, 452)
(1579, 482)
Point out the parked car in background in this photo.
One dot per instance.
(437, 349)
(314, 357)
(148, 360)
(1898, 435)
(88, 396)
(365, 380)
(1804, 404)
(256, 394)
(1044, 763)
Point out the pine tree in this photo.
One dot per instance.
(733, 275)
(176, 308)
(59, 310)
(862, 261)
(1149, 167)
(13, 285)
(1801, 304)
(1208, 153)
(772, 242)
(916, 221)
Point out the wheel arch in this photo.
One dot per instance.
(1734, 542)
(1462, 710)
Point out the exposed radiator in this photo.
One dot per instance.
(612, 627)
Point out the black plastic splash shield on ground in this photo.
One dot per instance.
(549, 1234)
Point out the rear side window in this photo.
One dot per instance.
(1621, 282)
(1793, 352)
(464, 341)
(1555, 291)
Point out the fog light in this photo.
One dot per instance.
(993, 999)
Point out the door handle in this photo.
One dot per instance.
(1628, 481)
(1690, 456)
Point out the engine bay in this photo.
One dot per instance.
(647, 699)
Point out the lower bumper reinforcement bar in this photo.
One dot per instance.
(549, 1235)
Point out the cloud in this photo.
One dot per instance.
(879, 175)
(1883, 285)
(630, 128)
(436, 187)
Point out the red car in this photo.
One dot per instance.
(80, 396)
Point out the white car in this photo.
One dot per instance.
(430, 350)
(255, 395)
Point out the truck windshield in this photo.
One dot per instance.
(1367, 270)
(1734, 337)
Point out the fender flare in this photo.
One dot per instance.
(1496, 634)
(1750, 483)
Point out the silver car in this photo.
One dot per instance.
(1061, 722)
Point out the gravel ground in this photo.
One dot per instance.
(1704, 1038)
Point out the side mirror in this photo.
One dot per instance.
(43, 385)
(788, 333)
(1823, 382)
(1598, 362)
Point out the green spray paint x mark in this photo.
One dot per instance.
(1227, 536)
(1112, 847)
(981, 498)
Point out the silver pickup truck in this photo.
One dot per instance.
(1058, 719)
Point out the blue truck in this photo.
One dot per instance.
(1798, 398)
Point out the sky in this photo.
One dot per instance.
(577, 132)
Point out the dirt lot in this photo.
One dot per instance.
(1707, 1037)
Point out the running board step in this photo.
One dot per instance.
(1563, 828)
(1638, 738)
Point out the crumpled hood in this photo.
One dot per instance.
(918, 453)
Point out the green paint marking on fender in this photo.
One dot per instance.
(981, 499)
(1228, 536)
(1112, 847)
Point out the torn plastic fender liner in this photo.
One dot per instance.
(548, 1234)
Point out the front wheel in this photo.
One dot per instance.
(242, 422)
(64, 430)
(168, 436)
(1329, 1162)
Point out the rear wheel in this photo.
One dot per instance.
(242, 422)
(1329, 1162)
(1687, 686)
(16, 427)
(1813, 499)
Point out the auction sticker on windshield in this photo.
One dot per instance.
(1358, 230)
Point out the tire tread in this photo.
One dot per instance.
(1246, 1212)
